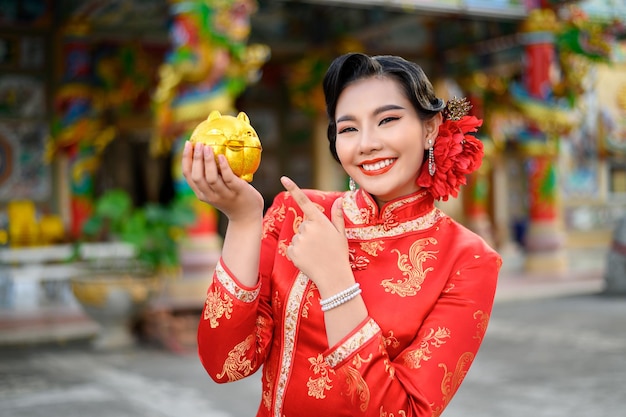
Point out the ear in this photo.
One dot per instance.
(431, 129)
(215, 114)
(243, 116)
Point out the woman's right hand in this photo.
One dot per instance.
(216, 184)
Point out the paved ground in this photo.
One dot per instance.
(553, 356)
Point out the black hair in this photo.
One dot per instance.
(351, 67)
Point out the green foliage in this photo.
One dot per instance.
(154, 229)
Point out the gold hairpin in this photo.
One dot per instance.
(456, 108)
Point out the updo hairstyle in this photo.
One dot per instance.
(351, 67)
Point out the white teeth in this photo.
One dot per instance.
(377, 165)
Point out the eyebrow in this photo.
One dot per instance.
(377, 111)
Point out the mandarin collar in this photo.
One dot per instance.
(361, 208)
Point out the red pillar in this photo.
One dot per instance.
(545, 237)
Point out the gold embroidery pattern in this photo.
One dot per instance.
(358, 339)
(357, 263)
(269, 222)
(247, 296)
(294, 300)
(389, 220)
(357, 387)
(393, 206)
(356, 214)
(391, 340)
(364, 216)
(448, 288)
(378, 231)
(452, 380)
(237, 366)
(383, 413)
(382, 349)
(276, 303)
(266, 395)
(307, 304)
(216, 307)
(282, 247)
(413, 270)
(483, 321)
(433, 339)
(297, 220)
(261, 324)
(372, 248)
(318, 386)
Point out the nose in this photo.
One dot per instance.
(369, 141)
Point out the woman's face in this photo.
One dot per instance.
(380, 138)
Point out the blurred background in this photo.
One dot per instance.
(97, 98)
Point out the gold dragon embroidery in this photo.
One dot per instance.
(483, 321)
(413, 270)
(434, 339)
(277, 215)
(237, 365)
(216, 307)
(357, 387)
(318, 386)
(452, 380)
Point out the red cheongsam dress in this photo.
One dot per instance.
(428, 284)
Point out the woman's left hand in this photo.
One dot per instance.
(320, 247)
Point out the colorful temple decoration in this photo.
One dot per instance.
(208, 66)
(78, 129)
(103, 84)
(558, 54)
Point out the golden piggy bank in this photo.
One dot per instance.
(234, 138)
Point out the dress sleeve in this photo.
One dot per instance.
(423, 378)
(236, 325)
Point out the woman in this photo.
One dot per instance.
(370, 302)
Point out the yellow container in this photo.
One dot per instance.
(233, 137)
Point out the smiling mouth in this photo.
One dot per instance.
(378, 167)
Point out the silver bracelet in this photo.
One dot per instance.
(341, 297)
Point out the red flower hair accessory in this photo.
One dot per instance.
(456, 153)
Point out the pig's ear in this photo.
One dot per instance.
(215, 114)
(243, 117)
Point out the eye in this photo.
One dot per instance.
(388, 119)
(346, 129)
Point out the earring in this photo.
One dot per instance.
(352, 185)
(431, 158)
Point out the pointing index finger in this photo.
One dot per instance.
(308, 208)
